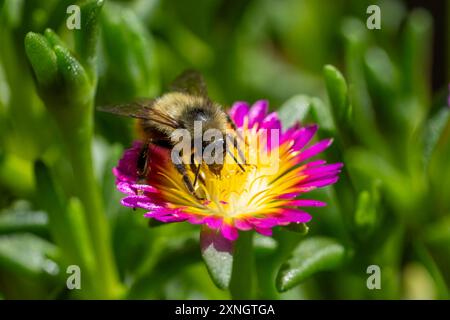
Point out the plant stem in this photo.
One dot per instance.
(78, 139)
(242, 278)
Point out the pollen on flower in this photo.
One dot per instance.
(267, 194)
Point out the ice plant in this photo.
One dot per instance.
(258, 198)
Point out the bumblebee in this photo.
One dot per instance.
(186, 103)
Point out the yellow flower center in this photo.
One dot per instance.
(254, 192)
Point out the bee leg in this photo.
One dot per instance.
(196, 169)
(187, 181)
(181, 167)
(236, 146)
(142, 167)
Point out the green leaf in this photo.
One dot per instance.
(83, 251)
(366, 215)
(338, 93)
(300, 228)
(295, 109)
(263, 245)
(17, 220)
(181, 251)
(217, 252)
(76, 81)
(51, 200)
(28, 255)
(61, 78)
(128, 55)
(321, 114)
(309, 257)
(11, 12)
(42, 58)
(438, 233)
(86, 36)
(416, 55)
(434, 130)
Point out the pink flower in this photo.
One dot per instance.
(269, 193)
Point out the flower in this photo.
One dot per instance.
(263, 196)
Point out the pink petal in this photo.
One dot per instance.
(144, 187)
(169, 219)
(126, 188)
(229, 232)
(257, 112)
(264, 231)
(139, 202)
(303, 136)
(238, 112)
(319, 176)
(291, 215)
(315, 149)
(159, 212)
(196, 219)
(271, 121)
(315, 163)
(320, 183)
(242, 224)
(266, 222)
(327, 168)
(306, 203)
(213, 222)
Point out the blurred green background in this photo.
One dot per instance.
(382, 94)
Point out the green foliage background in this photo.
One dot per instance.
(315, 61)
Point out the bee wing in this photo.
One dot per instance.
(141, 109)
(191, 82)
(163, 118)
(137, 109)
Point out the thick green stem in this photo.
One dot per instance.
(243, 273)
(78, 140)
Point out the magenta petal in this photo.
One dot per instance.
(291, 215)
(238, 112)
(159, 211)
(213, 222)
(320, 183)
(139, 202)
(126, 188)
(306, 203)
(144, 187)
(264, 231)
(315, 149)
(215, 239)
(257, 112)
(335, 167)
(126, 169)
(315, 163)
(288, 135)
(286, 196)
(229, 232)
(196, 219)
(169, 218)
(319, 177)
(242, 224)
(267, 222)
(271, 121)
(303, 136)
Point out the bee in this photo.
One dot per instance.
(185, 103)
